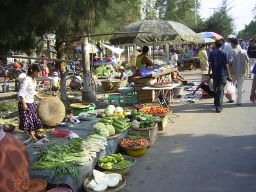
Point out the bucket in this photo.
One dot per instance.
(5, 88)
(60, 189)
(136, 153)
(178, 91)
(37, 185)
(77, 110)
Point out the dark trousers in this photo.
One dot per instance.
(207, 89)
(219, 92)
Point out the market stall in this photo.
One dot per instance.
(83, 129)
(149, 96)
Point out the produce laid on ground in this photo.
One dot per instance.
(114, 161)
(87, 116)
(101, 181)
(9, 124)
(64, 158)
(155, 110)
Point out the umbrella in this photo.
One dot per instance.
(143, 32)
(206, 40)
(210, 35)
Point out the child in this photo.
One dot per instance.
(55, 81)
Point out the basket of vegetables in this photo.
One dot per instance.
(160, 111)
(116, 163)
(135, 147)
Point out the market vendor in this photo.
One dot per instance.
(142, 60)
(27, 109)
(123, 75)
(14, 164)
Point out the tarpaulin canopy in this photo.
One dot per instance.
(148, 31)
(113, 49)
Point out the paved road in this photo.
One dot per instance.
(202, 151)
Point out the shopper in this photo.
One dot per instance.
(251, 54)
(14, 164)
(238, 60)
(27, 109)
(218, 64)
(203, 58)
(253, 89)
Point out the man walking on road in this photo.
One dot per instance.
(252, 55)
(238, 60)
(218, 64)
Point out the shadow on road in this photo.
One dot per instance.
(189, 163)
(207, 107)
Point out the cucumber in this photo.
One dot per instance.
(119, 122)
(106, 121)
(116, 125)
(118, 130)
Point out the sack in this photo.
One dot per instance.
(231, 92)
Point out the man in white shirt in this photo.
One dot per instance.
(174, 58)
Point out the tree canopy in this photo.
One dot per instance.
(220, 22)
(250, 30)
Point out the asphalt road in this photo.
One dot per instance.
(202, 151)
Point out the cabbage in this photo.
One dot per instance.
(110, 110)
(110, 129)
(104, 132)
(119, 110)
(98, 126)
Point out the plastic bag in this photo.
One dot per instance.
(231, 91)
(145, 72)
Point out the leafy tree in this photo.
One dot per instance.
(220, 22)
(183, 11)
(122, 12)
(250, 30)
(19, 24)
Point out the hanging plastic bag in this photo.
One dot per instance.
(231, 92)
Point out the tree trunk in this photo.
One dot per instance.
(60, 66)
(88, 92)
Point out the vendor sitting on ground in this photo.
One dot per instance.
(123, 75)
(142, 60)
(206, 85)
(177, 77)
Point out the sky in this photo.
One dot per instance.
(241, 10)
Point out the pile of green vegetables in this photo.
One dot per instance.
(102, 72)
(114, 161)
(62, 158)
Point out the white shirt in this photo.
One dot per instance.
(54, 80)
(174, 60)
(28, 90)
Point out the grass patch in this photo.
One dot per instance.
(9, 106)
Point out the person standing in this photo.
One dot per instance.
(251, 51)
(203, 58)
(253, 89)
(14, 164)
(218, 65)
(26, 106)
(238, 60)
(174, 58)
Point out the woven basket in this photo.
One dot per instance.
(118, 84)
(107, 85)
(51, 111)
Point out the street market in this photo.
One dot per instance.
(89, 107)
